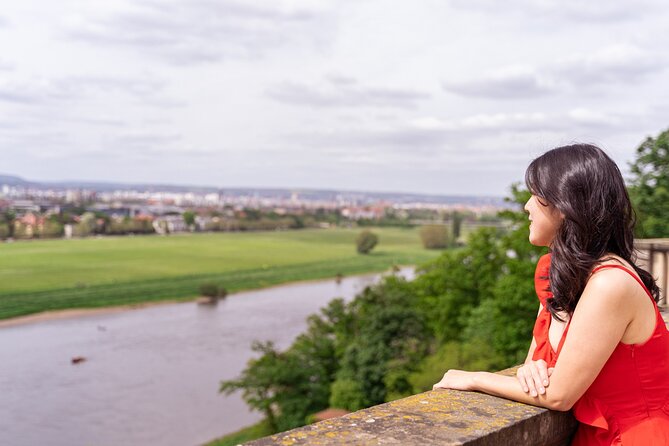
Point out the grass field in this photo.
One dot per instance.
(96, 272)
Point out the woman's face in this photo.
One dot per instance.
(545, 220)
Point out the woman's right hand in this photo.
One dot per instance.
(533, 377)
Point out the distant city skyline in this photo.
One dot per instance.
(11, 185)
(449, 97)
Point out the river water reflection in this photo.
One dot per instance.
(152, 375)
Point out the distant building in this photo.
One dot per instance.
(25, 206)
(365, 212)
(169, 224)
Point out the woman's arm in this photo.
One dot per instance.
(597, 325)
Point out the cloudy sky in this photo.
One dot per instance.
(432, 96)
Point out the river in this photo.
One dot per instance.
(151, 375)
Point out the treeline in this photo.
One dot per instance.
(260, 222)
(649, 188)
(471, 308)
(88, 223)
(34, 225)
(80, 222)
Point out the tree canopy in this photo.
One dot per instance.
(472, 307)
(649, 187)
(366, 241)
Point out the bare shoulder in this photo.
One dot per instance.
(613, 287)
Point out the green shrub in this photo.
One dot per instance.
(209, 290)
(4, 231)
(366, 241)
(435, 236)
(347, 394)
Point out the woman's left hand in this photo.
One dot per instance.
(457, 380)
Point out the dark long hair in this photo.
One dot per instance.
(586, 186)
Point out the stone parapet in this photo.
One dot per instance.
(444, 417)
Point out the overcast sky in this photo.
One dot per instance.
(432, 96)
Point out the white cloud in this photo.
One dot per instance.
(203, 31)
(621, 64)
(593, 11)
(609, 66)
(40, 90)
(592, 117)
(429, 123)
(506, 121)
(504, 83)
(344, 92)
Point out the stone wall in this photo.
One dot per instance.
(444, 417)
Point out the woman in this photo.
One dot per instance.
(600, 346)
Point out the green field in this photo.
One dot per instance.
(96, 272)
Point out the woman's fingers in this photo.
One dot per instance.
(523, 379)
(542, 367)
(533, 377)
(440, 384)
(538, 387)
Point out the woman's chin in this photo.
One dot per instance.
(536, 242)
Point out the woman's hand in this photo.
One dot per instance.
(533, 377)
(457, 380)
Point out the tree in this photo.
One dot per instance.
(290, 386)
(189, 219)
(505, 318)
(9, 217)
(51, 228)
(346, 393)
(457, 224)
(386, 340)
(452, 285)
(480, 301)
(649, 187)
(435, 236)
(259, 381)
(366, 241)
(86, 225)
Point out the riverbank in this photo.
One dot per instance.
(100, 273)
(77, 313)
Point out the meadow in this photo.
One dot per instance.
(38, 276)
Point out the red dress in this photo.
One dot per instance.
(628, 403)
